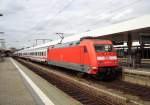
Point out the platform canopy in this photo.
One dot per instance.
(118, 32)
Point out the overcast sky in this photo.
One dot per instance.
(26, 20)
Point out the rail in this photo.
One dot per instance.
(85, 92)
(136, 76)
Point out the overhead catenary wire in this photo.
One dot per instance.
(117, 10)
(112, 12)
(50, 20)
(70, 2)
(59, 12)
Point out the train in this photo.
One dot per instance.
(95, 57)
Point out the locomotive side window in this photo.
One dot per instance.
(103, 48)
(85, 49)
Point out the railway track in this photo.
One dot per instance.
(126, 88)
(87, 94)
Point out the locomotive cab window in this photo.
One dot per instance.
(103, 48)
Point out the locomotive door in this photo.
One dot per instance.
(82, 58)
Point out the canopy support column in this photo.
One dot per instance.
(129, 44)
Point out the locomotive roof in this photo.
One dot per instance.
(134, 24)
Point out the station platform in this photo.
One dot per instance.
(137, 69)
(20, 86)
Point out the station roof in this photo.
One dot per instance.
(133, 25)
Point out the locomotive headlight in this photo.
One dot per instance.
(101, 58)
(112, 57)
(94, 68)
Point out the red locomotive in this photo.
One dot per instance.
(91, 56)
